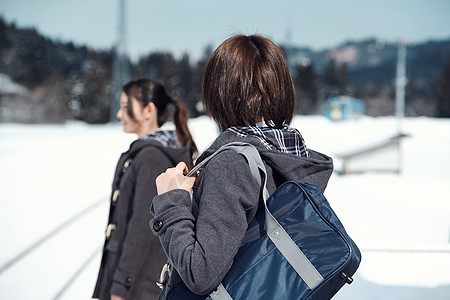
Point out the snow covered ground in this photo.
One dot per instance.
(55, 182)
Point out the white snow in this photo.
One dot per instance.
(50, 173)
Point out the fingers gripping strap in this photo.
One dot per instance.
(245, 149)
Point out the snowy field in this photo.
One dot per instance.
(55, 183)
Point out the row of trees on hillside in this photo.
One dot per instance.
(65, 81)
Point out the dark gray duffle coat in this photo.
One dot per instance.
(132, 256)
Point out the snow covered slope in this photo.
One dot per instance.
(55, 183)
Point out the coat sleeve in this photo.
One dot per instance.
(148, 164)
(202, 252)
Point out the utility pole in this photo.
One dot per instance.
(121, 72)
(400, 83)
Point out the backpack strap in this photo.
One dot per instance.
(275, 231)
(247, 152)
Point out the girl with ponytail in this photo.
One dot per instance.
(132, 256)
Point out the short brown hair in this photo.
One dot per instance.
(247, 80)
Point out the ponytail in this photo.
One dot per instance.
(180, 118)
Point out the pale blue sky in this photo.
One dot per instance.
(190, 25)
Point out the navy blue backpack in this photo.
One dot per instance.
(294, 248)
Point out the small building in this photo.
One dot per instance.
(383, 156)
(343, 108)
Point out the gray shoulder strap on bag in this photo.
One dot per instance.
(275, 231)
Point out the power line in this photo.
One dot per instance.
(46, 237)
(77, 273)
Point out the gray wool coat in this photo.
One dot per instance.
(132, 255)
(201, 250)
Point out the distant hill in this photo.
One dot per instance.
(370, 68)
(60, 81)
(375, 61)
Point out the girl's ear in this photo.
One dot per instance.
(149, 110)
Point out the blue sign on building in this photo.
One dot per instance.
(343, 108)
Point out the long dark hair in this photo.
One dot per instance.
(145, 91)
(246, 80)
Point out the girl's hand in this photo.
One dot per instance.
(174, 179)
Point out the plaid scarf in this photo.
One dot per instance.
(168, 138)
(285, 139)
